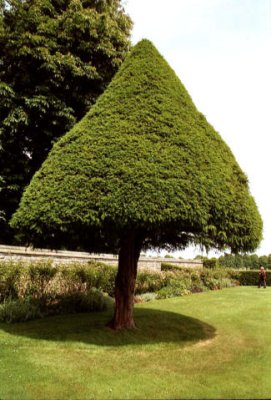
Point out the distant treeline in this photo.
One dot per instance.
(238, 261)
(244, 261)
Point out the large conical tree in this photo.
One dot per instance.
(142, 169)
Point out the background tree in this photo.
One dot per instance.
(56, 58)
(248, 261)
(142, 169)
(254, 261)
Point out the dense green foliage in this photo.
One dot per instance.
(33, 290)
(56, 58)
(29, 308)
(215, 275)
(251, 261)
(249, 277)
(210, 262)
(42, 279)
(145, 159)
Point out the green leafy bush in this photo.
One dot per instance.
(170, 267)
(214, 279)
(227, 282)
(197, 284)
(149, 282)
(29, 290)
(211, 263)
(10, 274)
(41, 275)
(92, 300)
(82, 277)
(19, 310)
(175, 288)
(25, 309)
(145, 297)
(102, 276)
(42, 279)
(249, 277)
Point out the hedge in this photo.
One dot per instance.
(249, 277)
(32, 290)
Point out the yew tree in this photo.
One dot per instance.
(142, 169)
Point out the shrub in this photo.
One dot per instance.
(81, 287)
(214, 279)
(53, 288)
(175, 288)
(25, 309)
(82, 277)
(249, 277)
(104, 277)
(19, 310)
(10, 274)
(149, 282)
(211, 263)
(92, 300)
(227, 282)
(70, 279)
(145, 297)
(170, 267)
(40, 276)
(197, 285)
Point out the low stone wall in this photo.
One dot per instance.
(16, 253)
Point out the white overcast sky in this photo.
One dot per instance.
(221, 51)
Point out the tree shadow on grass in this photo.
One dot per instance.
(153, 327)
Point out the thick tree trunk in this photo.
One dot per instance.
(125, 282)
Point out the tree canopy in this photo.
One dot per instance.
(56, 58)
(143, 168)
(142, 157)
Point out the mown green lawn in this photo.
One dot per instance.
(209, 345)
